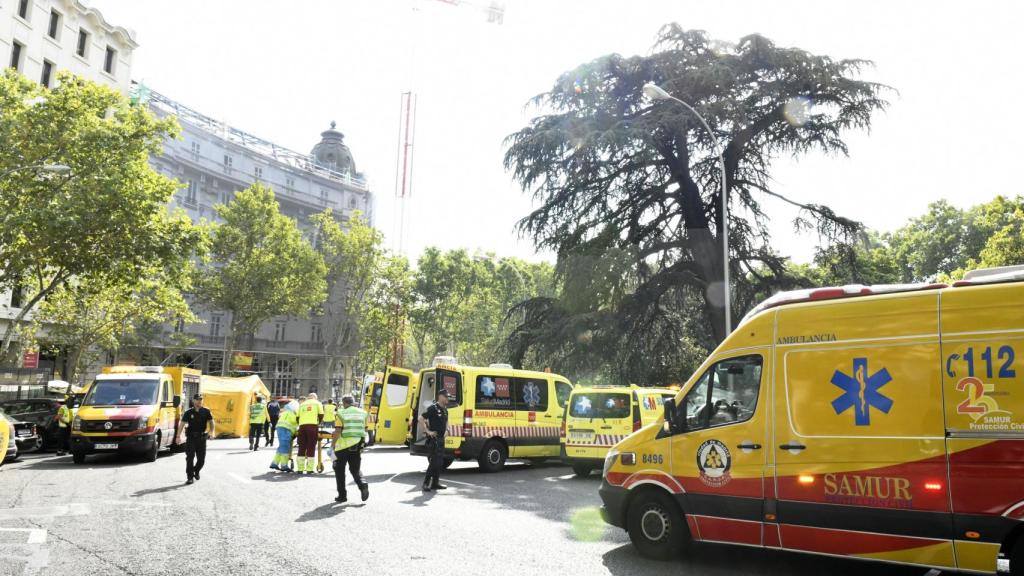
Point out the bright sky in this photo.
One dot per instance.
(284, 70)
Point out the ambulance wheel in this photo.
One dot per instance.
(448, 462)
(493, 456)
(581, 470)
(153, 452)
(1017, 558)
(78, 457)
(655, 526)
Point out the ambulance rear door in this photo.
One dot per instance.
(393, 411)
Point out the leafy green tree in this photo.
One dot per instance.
(629, 190)
(104, 220)
(83, 317)
(354, 259)
(260, 266)
(442, 283)
(1006, 247)
(385, 322)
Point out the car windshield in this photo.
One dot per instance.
(599, 405)
(122, 393)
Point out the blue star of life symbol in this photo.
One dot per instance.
(531, 394)
(861, 392)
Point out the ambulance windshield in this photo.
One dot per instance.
(122, 393)
(599, 405)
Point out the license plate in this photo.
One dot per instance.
(581, 436)
(106, 446)
(24, 433)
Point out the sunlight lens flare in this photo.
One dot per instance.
(586, 525)
(797, 111)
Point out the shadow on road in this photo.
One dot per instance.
(717, 559)
(277, 476)
(325, 512)
(151, 491)
(420, 500)
(92, 461)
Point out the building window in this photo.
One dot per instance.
(282, 378)
(227, 197)
(23, 6)
(109, 60)
(258, 172)
(323, 195)
(215, 325)
(228, 161)
(82, 49)
(352, 202)
(279, 331)
(317, 333)
(54, 30)
(16, 52)
(289, 182)
(190, 193)
(195, 149)
(215, 364)
(47, 73)
(202, 178)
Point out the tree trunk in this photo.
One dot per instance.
(74, 358)
(229, 345)
(9, 332)
(708, 257)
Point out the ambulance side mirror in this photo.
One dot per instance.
(177, 401)
(671, 417)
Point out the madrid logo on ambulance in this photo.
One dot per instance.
(714, 462)
(861, 392)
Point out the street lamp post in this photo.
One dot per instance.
(53, 168)
(655, 92)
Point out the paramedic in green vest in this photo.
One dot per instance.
(311, 412)
(330, 409)
(64, 418)
(349, 439)
(287, 424)
(257, 420)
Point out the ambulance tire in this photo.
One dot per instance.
(581, 470)
(493, 456)
(78, 457)
(153, 452)
(655, 526)
(1017, 557)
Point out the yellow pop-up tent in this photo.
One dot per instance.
(229, 400)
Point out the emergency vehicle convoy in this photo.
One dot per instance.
(132, 409)
(494, 413)
(880, 423)
(599, 417)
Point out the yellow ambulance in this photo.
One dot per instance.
(391, 396)
(598, 417)
(494, 413)
(879, 423)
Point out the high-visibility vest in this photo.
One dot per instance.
(353, 423)
(310, 411)
(288, 420)
(257, 413)
(329, 411)
(63, 416)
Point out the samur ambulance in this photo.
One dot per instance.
(879, 423)
(598, 417)
(389, 403)
(132, 410)
(494, 413)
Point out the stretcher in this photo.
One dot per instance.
(324, 435)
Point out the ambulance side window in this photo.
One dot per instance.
(562, 392)
(531, 394)
(167, 391)
(726, 394)
(493, 393)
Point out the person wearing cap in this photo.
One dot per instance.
(311, 413)
(257, 421)
(348, 440)
(435, 423)
(194, 423)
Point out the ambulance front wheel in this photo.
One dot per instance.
(493, 456)
(655, 526)
(581, 470)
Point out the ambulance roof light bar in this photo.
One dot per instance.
(135, 369)
(992, 275)
(836, 292)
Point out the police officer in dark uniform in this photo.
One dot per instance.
(435, 422)
(193, 426)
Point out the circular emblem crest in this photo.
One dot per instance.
(714, 461)
(108, 425)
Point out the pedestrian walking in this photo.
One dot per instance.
(257, 422)
(64, 426)
(193, 426)
(273, 413)
(311, 413)
(287, 424)
(435, 423)
(349, 439)
(330, 409)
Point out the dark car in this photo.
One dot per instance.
(25, 436)
(42, 412)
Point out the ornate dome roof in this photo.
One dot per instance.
(331, 152)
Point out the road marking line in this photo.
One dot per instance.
(241, 479)
(450, 481)
(35, 535)
(46, 512)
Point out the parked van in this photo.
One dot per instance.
(391, 397)
(880, 423)
(599, 417)
(494, 413)
(132, 410)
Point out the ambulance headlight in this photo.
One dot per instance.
(76, 424)
(608, 461)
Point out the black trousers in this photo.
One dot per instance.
(255, 431)
(269, 429)
(195, 455)
(435, 458)
(65, 439)
(352, 458)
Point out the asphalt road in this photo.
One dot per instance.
(118, 516)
